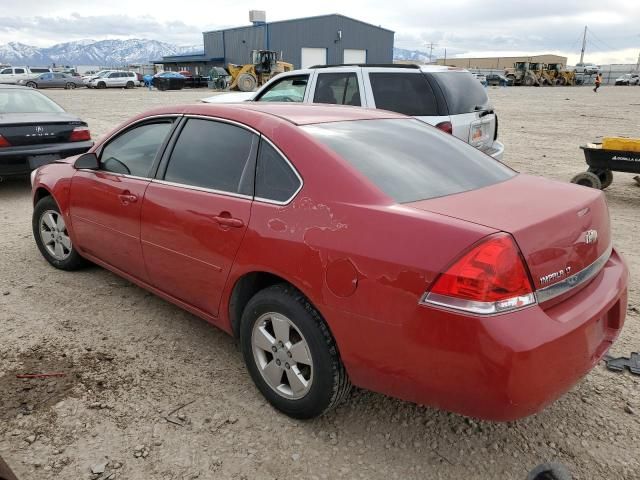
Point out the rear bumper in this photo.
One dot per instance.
(15, 160)
(496, 150)
(499, 368)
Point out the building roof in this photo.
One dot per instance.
(300, 20)
(199, 57)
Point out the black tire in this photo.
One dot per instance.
(32, 85)
(330, 383)
(102, 85)
(587, 179)
(73, 260)
(605, 176)
(70, 86)
(130, 85)
(549, 471)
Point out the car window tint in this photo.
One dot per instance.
(275, 179)
(408, 159)
(19, 70)
(408, 93)
(6, 71)
(59, 75)
(133, 152)
(337, 88)
(464, 94)
(290, 89)
(214, 155)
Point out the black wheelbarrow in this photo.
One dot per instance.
(602, 163)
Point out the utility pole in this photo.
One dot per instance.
(638, 64)
(431, 45)
(584, 44)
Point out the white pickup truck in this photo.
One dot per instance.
(14, 74)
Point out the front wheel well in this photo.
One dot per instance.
(40, 194)
(244, 289)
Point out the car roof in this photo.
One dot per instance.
(391, 66)
(15, 87)
(297, 114)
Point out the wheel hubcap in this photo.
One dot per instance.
(282, 355)
(54, 236)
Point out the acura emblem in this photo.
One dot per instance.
(39, 129)
(590, 236)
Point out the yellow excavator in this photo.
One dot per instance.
(264, 66)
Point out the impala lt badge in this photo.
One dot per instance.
(590, 236)
(553, 276)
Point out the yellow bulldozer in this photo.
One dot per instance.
(557, 75)
(524, 73)
(264, 65)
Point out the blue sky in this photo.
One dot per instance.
(463, 27)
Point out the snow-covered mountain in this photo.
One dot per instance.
(414, 55)
(92, 52)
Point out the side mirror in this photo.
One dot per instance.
(87, 161)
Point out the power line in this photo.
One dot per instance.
(602, 41)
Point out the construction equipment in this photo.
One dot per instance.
(264, 65)
(557, 75)
(524, 73)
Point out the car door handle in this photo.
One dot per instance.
(226, 220)
(126, 198)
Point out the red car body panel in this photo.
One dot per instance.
(365, 262)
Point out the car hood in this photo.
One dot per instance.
(230, 97)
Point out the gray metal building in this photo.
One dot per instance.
(325, 39)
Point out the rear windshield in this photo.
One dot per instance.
(463, 92)
(26, 101)
(408, 159)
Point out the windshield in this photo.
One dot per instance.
(463, 93)
(408, 159)
(26, 101)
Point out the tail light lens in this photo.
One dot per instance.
(490, 278)
(445, 127)
(4, 142)
(80, 134)
(495, 134)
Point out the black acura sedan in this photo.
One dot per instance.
(34, 130)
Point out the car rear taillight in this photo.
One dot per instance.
(80, 134)
(4, 142)
(490, 278)
(495, 133)
(445, 127)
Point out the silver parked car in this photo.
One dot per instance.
(451, 99)
(628, 79)
(52, 80)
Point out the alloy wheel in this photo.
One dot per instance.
(282, 355)
(54, 236)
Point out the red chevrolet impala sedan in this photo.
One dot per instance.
(348, 246)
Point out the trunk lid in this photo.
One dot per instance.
(37, 128)
(552, 222)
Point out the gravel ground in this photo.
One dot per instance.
(131, 359)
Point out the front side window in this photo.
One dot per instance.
(60, 75)
(134, 151)
(289, 89)
(46, 76)
(214, 155)
(6, 71)
(275, 179)
(407, 93)
(408, 159)
(337, 88)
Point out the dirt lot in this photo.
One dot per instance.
(131, 359)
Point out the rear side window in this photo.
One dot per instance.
(214, 155)
(275, 178)
(463, 93)
(19, 70)
(408, 159)
(337, 88)
(134, 151)
(289, 89)
(407, 93)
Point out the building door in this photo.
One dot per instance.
(313, 56)
(352, 55)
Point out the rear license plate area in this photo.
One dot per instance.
(36, 161)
